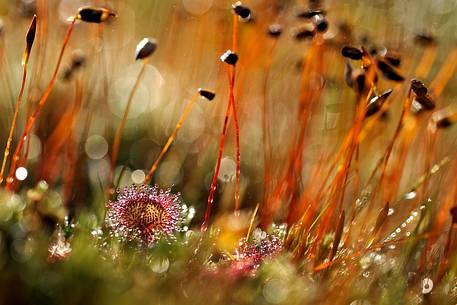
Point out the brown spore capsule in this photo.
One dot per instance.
(78, 59)
(390, 72)
(303, 32)
(424, 39)
(444, 118)
(376, 103)
(418, 87)
(145, 48)
(209, 95)
(453, 212)
(94, 14)
(444, 123)
(229, 57)
(29, 38)
(393, 58)
(321, 23)
(67, 73)
(243, 11)
(274, 30)
(352, 52)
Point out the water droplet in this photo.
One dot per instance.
(197, 7)
(227, 170)
(434, 169)
(379, 259)
(365, 262)
(21, 173)
(96, 147)
(427, 285)
(410, 195)
(275, 291)
(138, 176)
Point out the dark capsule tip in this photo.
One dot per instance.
(78, 59)
(229, 57)
(209, 95)
(376, 103)
(390, 72)
(393, 59)
(94, 14)
(453, 212)
(424, 39)
(418, 87)
(321, 23)
(303, 32)
(243, 11)
(386, 94)
(443, 123)
(352, 52)
(29, 39)
(145, 48)
(274, 30)
(67, 73)
(372, 108)
(444, 118)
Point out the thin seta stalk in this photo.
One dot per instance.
(201, 92)
(231, 58)
(144, 49)
(30, 37)
(120, 129)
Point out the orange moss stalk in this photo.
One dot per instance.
(120, 129)
(144, 49)
(231, 104)
(171, 138)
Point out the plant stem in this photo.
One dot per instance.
(171, 138)
(13, 124)
(120, 130)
